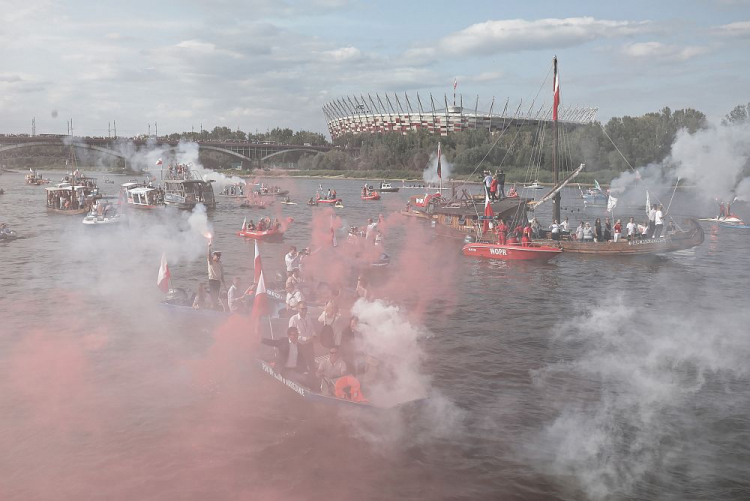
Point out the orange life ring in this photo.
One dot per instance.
(347, 388)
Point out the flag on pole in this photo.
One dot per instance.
(244, 223)
(260, 305)
(159, 162)
(439, 166)
(611, 203)
(257, 264)
(648, 204)
(488, 213)
(556, 90)
(455, 83)
(162, 280)
(596, 185)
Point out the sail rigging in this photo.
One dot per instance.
(556, 189)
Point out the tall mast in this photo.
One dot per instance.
(555, 168)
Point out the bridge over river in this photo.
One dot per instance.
(248, 154)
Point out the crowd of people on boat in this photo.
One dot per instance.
(67, 199)
(237, 189)
(494, 185)
(264, 224)
(179, 171)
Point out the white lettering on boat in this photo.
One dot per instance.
(648, 241)
(499, 252)
(291, 384)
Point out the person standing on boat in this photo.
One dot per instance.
(607, 230)
(493, 188)
(502, 231)
(658, 221)
(292, 260)
(618, 231)
(235, 298)
(526, 235)
(555, 230)
(293, 296)
(598, 230)
(290, 360)
(651, 222)
(487, 182)
(306, 330)
(588, 233)
(722, 211)
(215, 275)
(501, 184)
(631, 227)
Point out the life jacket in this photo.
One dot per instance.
(347, 388)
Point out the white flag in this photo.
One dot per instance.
(648, 204)
(611, 203)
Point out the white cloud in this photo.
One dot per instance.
(493, 37)
(662, 52)
(344, 54)
(740, 29)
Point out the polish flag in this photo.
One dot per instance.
(488, 213)
(162, 281)
(257, 264)
(556, 90)
(439, 167)
(159, 162)
(244, 223)
(455, 83)
(260, 305)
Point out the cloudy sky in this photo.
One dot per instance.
(259, 64)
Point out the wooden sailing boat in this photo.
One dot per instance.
(688, 232)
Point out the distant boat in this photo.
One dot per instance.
(534, 186)
(387, 188)
(512, 252)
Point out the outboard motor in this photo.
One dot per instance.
(468, 239)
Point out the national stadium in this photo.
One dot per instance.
(391, 113)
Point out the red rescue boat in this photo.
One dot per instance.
(512, 252)
(374, 195)
(269, 234)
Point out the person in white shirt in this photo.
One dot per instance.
(293, 296)
(565, 225)
(331, 368)
(370, 231)
(235, 298)
(292, 260)
(555, 230)
(632, 227)
(487, 182)
(659, 221)
(651, 221)
(289, 358)
(306, 330)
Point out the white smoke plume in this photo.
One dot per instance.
(714, 158)
(429, 175)
(641, 370)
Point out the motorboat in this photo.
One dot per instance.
(387, 188)
(512, 252)
(534, 186)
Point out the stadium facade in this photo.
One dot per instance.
(354, 115)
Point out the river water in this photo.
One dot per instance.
(584, 378)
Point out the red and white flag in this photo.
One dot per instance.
(261, 307)
(488, 214)
(159, 162)
(455, 83)
(257, 264)
(556, 91)
(162, 281)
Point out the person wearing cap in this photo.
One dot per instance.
(215, 275)
(306, 330)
